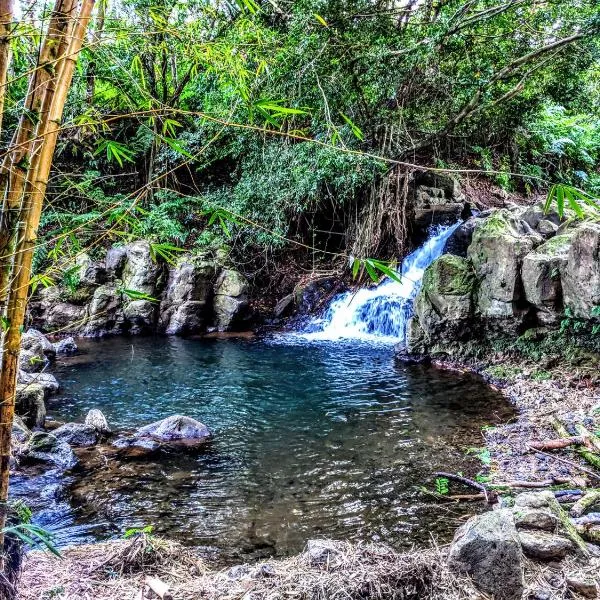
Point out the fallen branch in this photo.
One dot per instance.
(490, 497)
(586, 502)
(558, 444)
(589, 519)
(583, 451)
(589, 532)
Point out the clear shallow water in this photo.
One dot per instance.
(311, 439)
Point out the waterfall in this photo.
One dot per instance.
(380, 313)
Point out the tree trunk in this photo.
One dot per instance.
(6, 17)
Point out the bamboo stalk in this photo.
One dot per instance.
(37, 178)
(15, 166)
(6, 17)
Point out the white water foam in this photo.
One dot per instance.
(379, 314)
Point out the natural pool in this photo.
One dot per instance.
(310, 439)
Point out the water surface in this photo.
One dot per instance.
(310, 440)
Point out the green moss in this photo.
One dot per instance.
(556, 245)
(504, 372)
(449, 275)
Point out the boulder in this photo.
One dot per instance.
(230, 302)
(77, 434)
(541, 274)
(545, 546)
(461, 237)
(115, 261)
(320, 552)
(45, 447)
(499, 245)
(64, 316)
(436, 199)
(445, 301)
(46, 380)
(65, 346)
(20, 432)
(131, 447)
(313, 294)
(30, 405)
(140, 316)
(487, 548)
(581, 275)
(105, 312)
(535, 500)
(140, 272)
(284, 307)
(96, 419)
(177, 429)
(531, 518)
(185, 307)
(584, 586)
(36, 351)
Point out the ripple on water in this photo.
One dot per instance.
(310, 439)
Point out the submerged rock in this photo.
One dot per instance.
(487, 548)
(77, 434)
(131, 447)
(45, 447)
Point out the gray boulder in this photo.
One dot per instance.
(115, 261)
(321, 552)
(96, 419)
(30, 405)
(140, 272)
(176, 429)
(487, 548)
(312, 294)
(64, 316)
(581, 275)
(541, 274)
(46, 380)
(131, 447)
(65, 346)
(230, 302)
(185, 306)
(105, 312)
(36, 351)
(45, 447)
(499, 245)
(77, 434)
(140, 315)
(20, 432)
(545, 546)
(445, 301)
(531, 518)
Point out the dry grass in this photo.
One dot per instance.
(116, 571)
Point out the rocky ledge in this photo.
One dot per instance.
(132, 289)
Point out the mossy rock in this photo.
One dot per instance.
(449, 275)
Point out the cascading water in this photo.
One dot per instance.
(380, 313)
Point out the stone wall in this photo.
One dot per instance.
(133, 291)
(510, 269)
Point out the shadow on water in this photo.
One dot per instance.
(310, 440)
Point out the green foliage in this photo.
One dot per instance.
(566, 196)
(441, 485)
(146, 530)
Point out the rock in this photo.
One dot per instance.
(584, 586)
(581, 275)
(313, 294)
(541, 274)
(500, 243)
(77, 434)
(115, 261)
(20, 432)
(46, 380)
(547, 228)
(320, 552)
(131, 447)
(30, 405)
(45, 447)
(535, 500)
(140, 272)
(239, 572)
(461, 237)
(487, 548)
(140, 316)
(284, 307)
(528, 518)
(65, 346)
(90, 273)
(64, 316)
(545, 546)
(105, 312)
(444, 304)
(436, 199)
(231, 299)
(36, 351)
(176, 429)
(185, 307)
(96, 419)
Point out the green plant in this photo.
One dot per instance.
(146, 530)
(441, 485)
